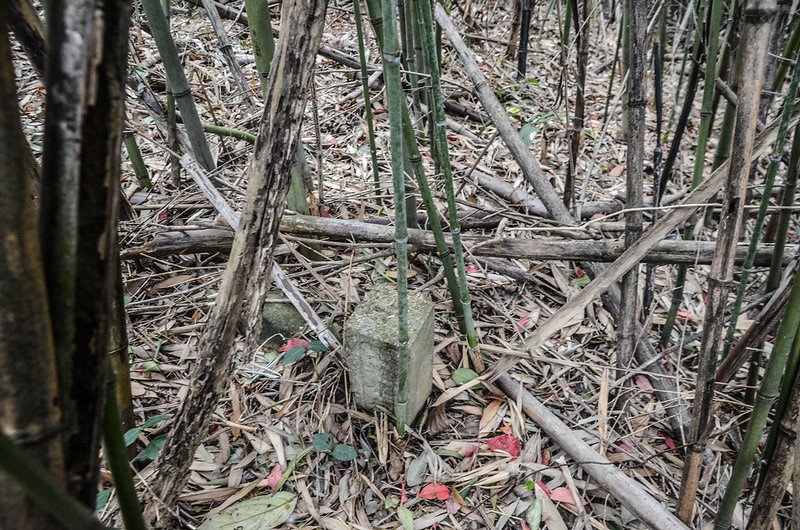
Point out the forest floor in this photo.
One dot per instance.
(273, 409)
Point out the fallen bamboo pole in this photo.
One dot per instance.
(542, 249)
(619, 485)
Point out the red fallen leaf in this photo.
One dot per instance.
(403, 494)
(522, 321)
(643, 384)
(506, 443)
(524, 526)
(293, 343)
(544, 487)
(563, 494)
(685, 315)
(579, 272)
(326, 213)
(669, 441)
(434, 490)
(471, 268)
(274, 476)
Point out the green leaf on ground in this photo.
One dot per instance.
(344, 453)
(259, 513)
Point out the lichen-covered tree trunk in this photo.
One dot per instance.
(247, 276)
(29, 411)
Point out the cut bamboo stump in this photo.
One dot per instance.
(370, 345)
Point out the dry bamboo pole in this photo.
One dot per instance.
(636, 11)
(666, 389)
(227, 53)
(540, 249)
(622, 487)
(752, 57)
(769, 180)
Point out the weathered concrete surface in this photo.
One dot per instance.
(280, 320)
(370, 344)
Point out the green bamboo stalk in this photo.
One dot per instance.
(415, 159)
(362, 58)
(787, 383)
(135, 156)
(261, 36)
(40, 486)
(411, 57)
(425, 14)
(227, 131)
(394, 90)
(172, 120)
(714, 18)
(769, 180)
(726, 127)
(770, 385)
(778, 463)
(782, 234)
(178, 82)
(117, 457)
(792, 46)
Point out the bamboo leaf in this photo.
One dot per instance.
(258, 513)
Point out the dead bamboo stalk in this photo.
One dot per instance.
(752, 58)
(634, 188)
(227, 53)
(544, 249)
(619, 485)
(279, 277)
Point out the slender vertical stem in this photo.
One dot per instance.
(394, 89)
(769, 180)
(117, 456)
(755, 39)
(524, 32)
(178, 82)
(362, 58)
(440, 139)
(636, 102)
(782, 234)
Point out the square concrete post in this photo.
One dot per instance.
(370, 345)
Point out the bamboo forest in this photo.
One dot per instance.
(399, 264)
